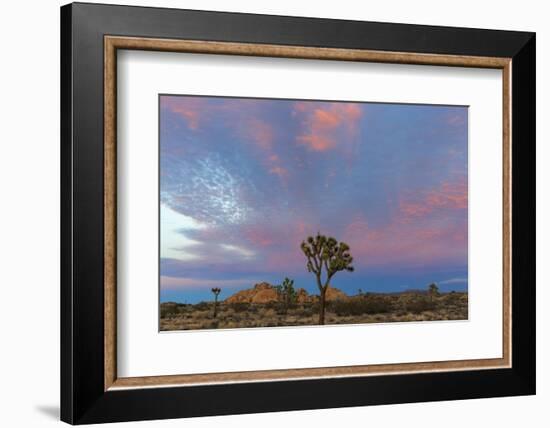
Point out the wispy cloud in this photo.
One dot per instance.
(179, 283)
(448, 195)
(454, 281)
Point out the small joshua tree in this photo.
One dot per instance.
(325, 257)
(280, 294)
(216, 292)
(433, 290)
(286, 294)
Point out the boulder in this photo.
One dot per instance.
(265, 296)
(335, 294)
(260, 293)
(302, 296)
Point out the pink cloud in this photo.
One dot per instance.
(411, 244)
(325, 125)
(191, 109)
(326, 119)
(280, 256)
(259, 236)
(196, 109)
(289, 261)
(358, 227)
(414, 209)
(279, 171)
(449, 195)
(424, 229)
(317, 143)
(260, 132)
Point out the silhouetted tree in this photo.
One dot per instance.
(286, 294)
(325, 254)
(433, 290)
(280, 294)
(289, 292)
(216, 292)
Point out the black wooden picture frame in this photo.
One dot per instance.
(84, 398)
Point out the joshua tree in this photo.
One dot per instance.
(216, 292)
(286, 293)
(280, 293)
(433, 290)
(325, 254)
(290, 292)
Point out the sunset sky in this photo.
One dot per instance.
(244, 181)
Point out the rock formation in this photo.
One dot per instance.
(261, 293)
(264, 292)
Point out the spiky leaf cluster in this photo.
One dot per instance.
(326, 253)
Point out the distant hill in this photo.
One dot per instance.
(264, 292)
(397, 293)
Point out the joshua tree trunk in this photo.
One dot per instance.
(215, 305)
(216, 291)
(322, 300)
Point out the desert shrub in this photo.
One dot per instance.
(202, 306)
(252, 309)
(361, 305)
(239, 307)
(168, 310)
(269, 313)
(454, 298)
(271, 305)
(419, 303)
(283, 307)
(315, 306)
(306, 311)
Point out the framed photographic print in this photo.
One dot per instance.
(222, 228)
(265, 213)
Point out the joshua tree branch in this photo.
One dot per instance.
(317, 263)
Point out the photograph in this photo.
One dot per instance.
(278, 210)
(291, 212)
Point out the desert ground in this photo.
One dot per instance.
(262, 307)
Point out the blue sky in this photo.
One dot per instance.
(244, 181)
